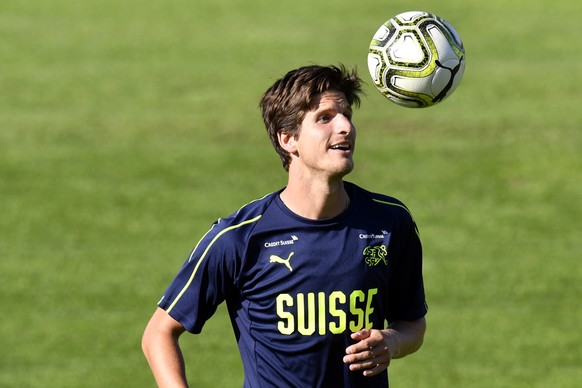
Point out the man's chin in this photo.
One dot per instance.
(344, 170)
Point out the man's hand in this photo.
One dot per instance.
(374, 348)
(371, 354)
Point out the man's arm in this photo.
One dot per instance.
(162, 350)
(375, 348)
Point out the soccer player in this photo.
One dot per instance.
(322, 279)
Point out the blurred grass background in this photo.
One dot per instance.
(126, 128)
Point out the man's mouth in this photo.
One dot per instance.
(344, 146)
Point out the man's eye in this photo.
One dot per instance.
(324, 118)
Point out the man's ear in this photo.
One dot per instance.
(287, 141)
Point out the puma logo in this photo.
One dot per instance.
(285, 262)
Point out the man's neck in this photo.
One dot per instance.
(316, 200)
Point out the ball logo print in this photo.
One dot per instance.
(416, 59)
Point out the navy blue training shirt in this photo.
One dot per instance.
(297, 288)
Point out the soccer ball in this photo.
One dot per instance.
(416, 59)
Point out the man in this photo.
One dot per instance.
(310, 273)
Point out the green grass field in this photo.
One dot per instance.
(128, 127)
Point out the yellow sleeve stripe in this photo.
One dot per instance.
(393, 204)
(203, 256)
(403, 207)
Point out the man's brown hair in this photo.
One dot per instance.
(286, 102)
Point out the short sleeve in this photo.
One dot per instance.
(203, 281)
(407, 296)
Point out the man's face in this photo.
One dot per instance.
(326, 139)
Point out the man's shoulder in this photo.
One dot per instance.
(248, 214)
(372, 197)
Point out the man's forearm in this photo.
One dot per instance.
(405, 337)
(162, 351)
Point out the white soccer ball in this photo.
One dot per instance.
(416, 59)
